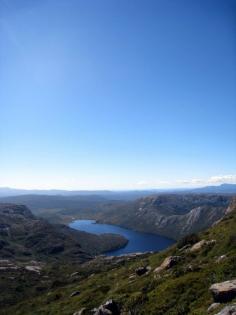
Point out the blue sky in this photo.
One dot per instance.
(117, 94)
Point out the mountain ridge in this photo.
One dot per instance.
(111, 194)
(171, 215)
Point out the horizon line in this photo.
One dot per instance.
(116, 190)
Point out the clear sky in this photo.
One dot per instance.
(117, 93)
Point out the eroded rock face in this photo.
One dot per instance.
(108, 308)
(224, 291)
(168, 263)
(228, 310)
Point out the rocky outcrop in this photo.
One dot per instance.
(201, 244)
(108, 308)
(232, 206)
(80, 312)
(221, 258)
(75, 293)
(168, 263)
(171, 215)
(228, 310)
(33, 268)
(224, 291)
(142, 270)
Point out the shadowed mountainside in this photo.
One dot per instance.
(22, 235)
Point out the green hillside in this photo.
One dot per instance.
(178, 289)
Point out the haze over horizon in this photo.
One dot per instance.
(216, 181)
(117, 94)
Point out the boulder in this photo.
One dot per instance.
(224, 291)
(75, 293)
(74, 274)
(132, 277)
(221, 258)
(192, 268)
(80, 312)
(108, 308)
(142, 270)
(199, 245)
(33, 268)
(228, 310)
(168, 263)
(212, 307)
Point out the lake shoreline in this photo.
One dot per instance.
(124, 227)
(137, 241)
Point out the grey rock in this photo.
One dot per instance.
(224, 291)
(212, 307)
(228, 310)
(108, 308)
(201, 244)
(75, 293)
(168, 263)
(80, 312)
(74, 274)
(221, 258)
(142, 270)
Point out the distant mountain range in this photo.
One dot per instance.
(221, 189)
(117, 195)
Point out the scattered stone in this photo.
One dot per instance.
(197, 246)
(74, 274)
(7, 268)
(109, 308)
(224, 291)
(168, 263)
(11, 278)
(220, 258)
(142, 270)
(212, 307)
(228, 310)
(36, 269)
(80, 312)
(4, 261)
(184, 248)
(75, 293)
(203, 243)
(192, 268)
(7, 265)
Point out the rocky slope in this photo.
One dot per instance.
(197, 276)
(170, 215)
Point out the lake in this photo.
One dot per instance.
(138, 241)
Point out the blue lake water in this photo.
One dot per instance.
(138, 241)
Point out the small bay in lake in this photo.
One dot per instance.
(138, 241)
